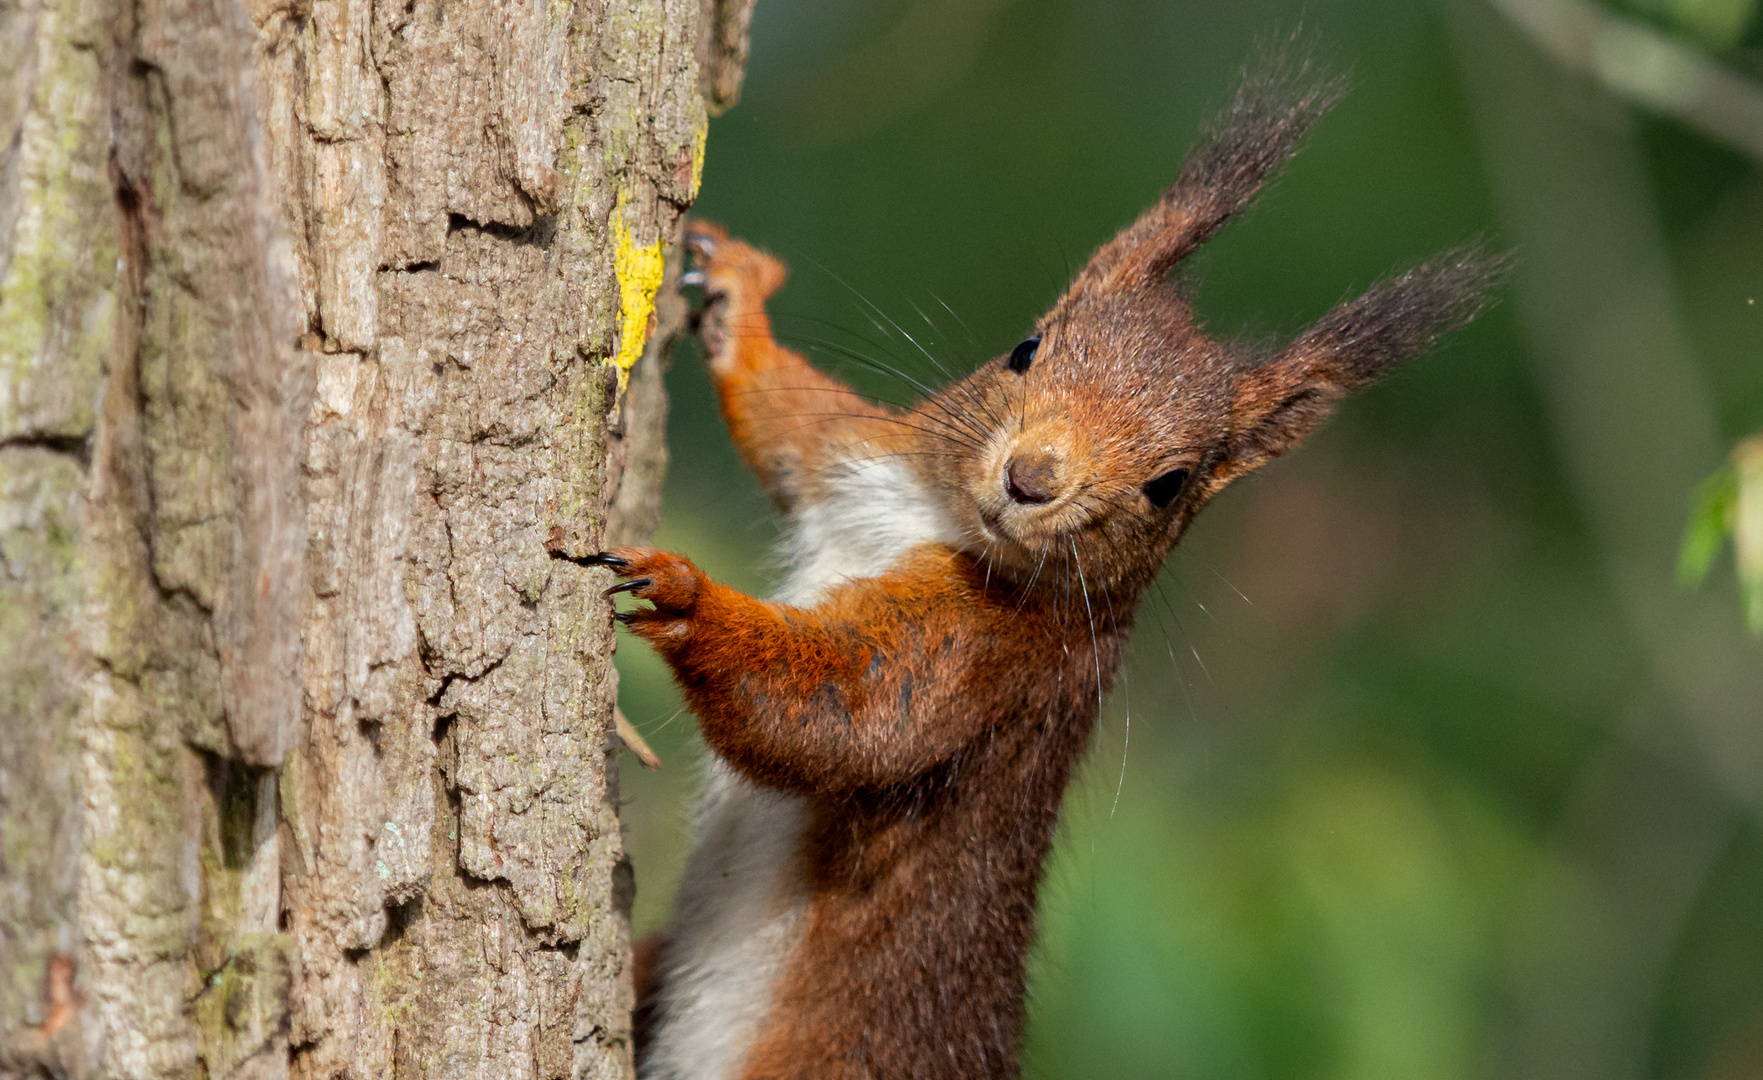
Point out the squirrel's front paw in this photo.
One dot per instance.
(670, 582)
(736, 278)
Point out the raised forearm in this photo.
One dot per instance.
(787, 418)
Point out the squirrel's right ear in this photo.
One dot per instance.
(1277, 104)
(1277, 405)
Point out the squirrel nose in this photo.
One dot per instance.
(1031, 481)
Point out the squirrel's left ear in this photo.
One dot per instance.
(1278, 404)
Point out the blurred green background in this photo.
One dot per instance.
(1434, 769)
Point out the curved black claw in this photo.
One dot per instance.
(624, 616)
(630, 586)
(602, 558)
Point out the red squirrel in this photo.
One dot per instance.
(893, 735)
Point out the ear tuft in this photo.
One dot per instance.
(1280, 403)
(1279, 100)
(1397, 319)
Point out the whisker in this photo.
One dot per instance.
(1188, 638)
(968, 433)
(900, 330)
(956, 386)
(835, 390)
(828, 416)
(931, 398)
(1028, 589)
(933, 326)
(958, 319)
(1089, 615)
(834, 417)
(1181, 681)
(834, 325)
(1227, 583)
(1125, 699)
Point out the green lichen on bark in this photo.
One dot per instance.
(57, 266)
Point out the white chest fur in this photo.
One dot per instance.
(741, 901)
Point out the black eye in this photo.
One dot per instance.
(1163, 490)
(1023, 355)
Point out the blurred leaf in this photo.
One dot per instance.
(1709, 523)
(1730, 501)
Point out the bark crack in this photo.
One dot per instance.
(539, 234)
(78, 447)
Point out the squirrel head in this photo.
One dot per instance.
(1098, 438)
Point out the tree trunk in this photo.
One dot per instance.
(319, 335)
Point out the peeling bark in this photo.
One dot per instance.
(309, 315)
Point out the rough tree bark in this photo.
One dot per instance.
(316, 320)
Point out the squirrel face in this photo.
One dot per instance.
(1104, 433)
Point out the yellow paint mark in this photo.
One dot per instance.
(698, 140)
(639, 269)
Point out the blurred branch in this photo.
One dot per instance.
(1645, 66)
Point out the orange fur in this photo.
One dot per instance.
(930, 714)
